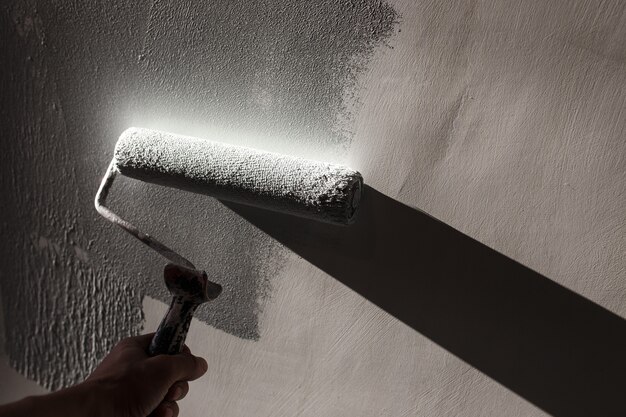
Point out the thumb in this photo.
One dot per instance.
(180, 367)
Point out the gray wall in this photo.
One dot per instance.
(502, 120)
(277, 72)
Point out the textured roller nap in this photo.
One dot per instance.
(278, 182)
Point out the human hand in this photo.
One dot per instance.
(127, 383)
(133, 384)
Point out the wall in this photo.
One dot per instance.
(284, 77)
(504, 121)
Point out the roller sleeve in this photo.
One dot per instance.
(298, 186)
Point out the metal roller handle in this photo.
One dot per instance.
(169, 338)
(189, 288)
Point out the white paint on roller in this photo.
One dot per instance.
(284, 183)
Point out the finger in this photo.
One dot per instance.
(177, 392)
(180, 367)
(133, 343)
(186, 349)
(143, 340)
(166, 409)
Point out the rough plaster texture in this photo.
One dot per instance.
(503, 119)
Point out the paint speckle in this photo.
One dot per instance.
(81, 254)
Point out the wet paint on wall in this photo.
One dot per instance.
(283, 71)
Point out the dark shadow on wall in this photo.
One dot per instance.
(556, 349)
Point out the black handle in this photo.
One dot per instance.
(170, 336)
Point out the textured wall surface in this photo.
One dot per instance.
(282, 70)
(505, 120)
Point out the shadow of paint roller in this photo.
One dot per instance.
(316, 190)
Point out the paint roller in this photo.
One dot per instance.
(316, 190)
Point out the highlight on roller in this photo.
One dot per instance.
(316, 190)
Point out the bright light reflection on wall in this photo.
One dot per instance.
(296, 145)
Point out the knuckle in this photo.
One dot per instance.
(144, 368)
(164, 364)
(183, 389)
(185, 361)
(174, 407)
